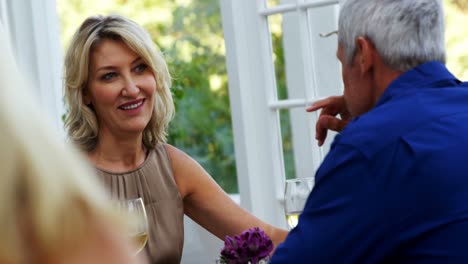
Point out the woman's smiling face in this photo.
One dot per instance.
(121, 88)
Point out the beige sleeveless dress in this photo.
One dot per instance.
(154, 182)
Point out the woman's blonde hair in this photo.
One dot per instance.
(81, 121)
(48, 194)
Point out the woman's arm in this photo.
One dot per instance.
(208, 205)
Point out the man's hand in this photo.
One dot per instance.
(331, 107)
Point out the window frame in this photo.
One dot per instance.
(254, 101)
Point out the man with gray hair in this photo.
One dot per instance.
(394, 186)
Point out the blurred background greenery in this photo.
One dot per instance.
(456, 13)
(189, 33)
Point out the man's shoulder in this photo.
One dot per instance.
(408, 114)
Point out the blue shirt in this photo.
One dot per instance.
(394, 186)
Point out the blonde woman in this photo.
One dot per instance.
(117, 92)
(52, 207)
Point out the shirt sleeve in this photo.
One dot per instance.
(341, 209)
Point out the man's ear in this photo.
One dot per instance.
(364, 55)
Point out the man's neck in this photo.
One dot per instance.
(383, 77)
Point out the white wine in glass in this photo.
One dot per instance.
(296, 193)
(134, 211)
(292, 218)
(139, 240)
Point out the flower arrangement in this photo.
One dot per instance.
(251, 246)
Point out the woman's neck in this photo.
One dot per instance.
(118, 155)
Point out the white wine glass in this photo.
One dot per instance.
(137, 222)
(296, 192)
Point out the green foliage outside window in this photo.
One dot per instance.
(456, 12)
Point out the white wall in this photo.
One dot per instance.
(33, 27)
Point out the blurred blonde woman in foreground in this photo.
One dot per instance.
(52, 209)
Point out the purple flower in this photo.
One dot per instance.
(252, 245)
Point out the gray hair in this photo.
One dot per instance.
(406, 33)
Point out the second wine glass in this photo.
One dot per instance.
(296, 193)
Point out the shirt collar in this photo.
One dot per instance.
(430, 74)
(359, 132)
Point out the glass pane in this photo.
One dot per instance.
(276, 31)
(286, 136)
(300, 151)
(325, 64)
(293, 48)
(271, 3)
(307, 153)
(287, 57)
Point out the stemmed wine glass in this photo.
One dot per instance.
(295, 196)
(134, 211)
